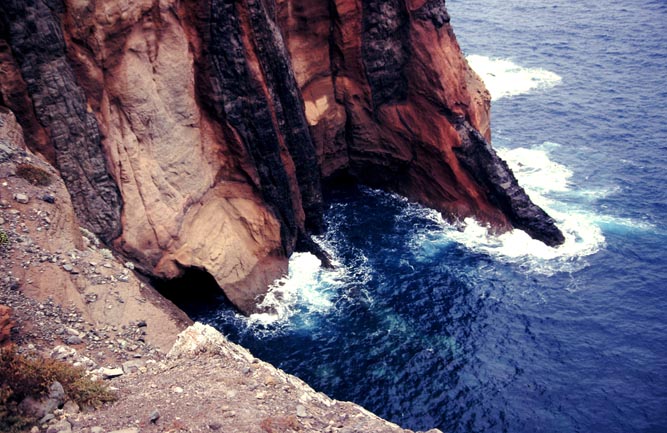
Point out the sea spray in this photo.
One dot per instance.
(307, 286)
(504, 78)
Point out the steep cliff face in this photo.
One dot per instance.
(197, 133)
(392, 102)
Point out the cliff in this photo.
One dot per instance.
(64, 296)
(197, 134)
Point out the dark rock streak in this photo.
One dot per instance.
(385, 49)
(245, 106)
(38, 44)
(477, 155)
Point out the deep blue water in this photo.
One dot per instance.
(429, 326)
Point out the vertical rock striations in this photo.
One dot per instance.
(60, 104)
(259, 98)
(385, 50)
(214, 122)
(396, 106)
(245, 104)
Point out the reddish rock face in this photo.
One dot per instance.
(385, 88)
(392, 103)
(196, 134)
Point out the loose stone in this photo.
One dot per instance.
(21, 198)
(154, 416)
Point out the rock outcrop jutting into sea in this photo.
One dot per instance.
(198, 133)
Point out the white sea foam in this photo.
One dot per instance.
(549, 185)
(541, 176)
(504, 78)
(310, 289)
(543, 179)
(307, 286)
(535, 170)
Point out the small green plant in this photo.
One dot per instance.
(33, 174)
(4, 239)
(22, 377)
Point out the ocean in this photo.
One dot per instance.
(431, 326)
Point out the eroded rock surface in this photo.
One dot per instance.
(49, 264)
(197, 134)
(38, 44)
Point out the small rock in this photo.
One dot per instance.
(96, 429)
(110, 373)
(71, 407)
(49, 198)
(301, 411)
(73, 339)
(72, 331)
(129, 265)
(177, 390)
(57, 392)
(71, 269)
(132, 366)
(46, 418)
(141, 324)
(21, 198)
(154, 416)
(34, 429)
(126, 430)
(60, 427)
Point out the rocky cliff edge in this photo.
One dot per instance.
(197, 134)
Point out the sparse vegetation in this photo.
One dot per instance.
(280, 424)
(22, 377)
(4, 239)
(33, 174)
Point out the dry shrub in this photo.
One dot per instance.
(22, 377)
(34, 175)
(280, 424)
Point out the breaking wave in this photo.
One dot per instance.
(307, 288)
(504, 78)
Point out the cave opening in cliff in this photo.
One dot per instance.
(193, 291)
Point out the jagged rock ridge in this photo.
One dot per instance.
(197, 133)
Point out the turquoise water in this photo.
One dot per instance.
(431, 326)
